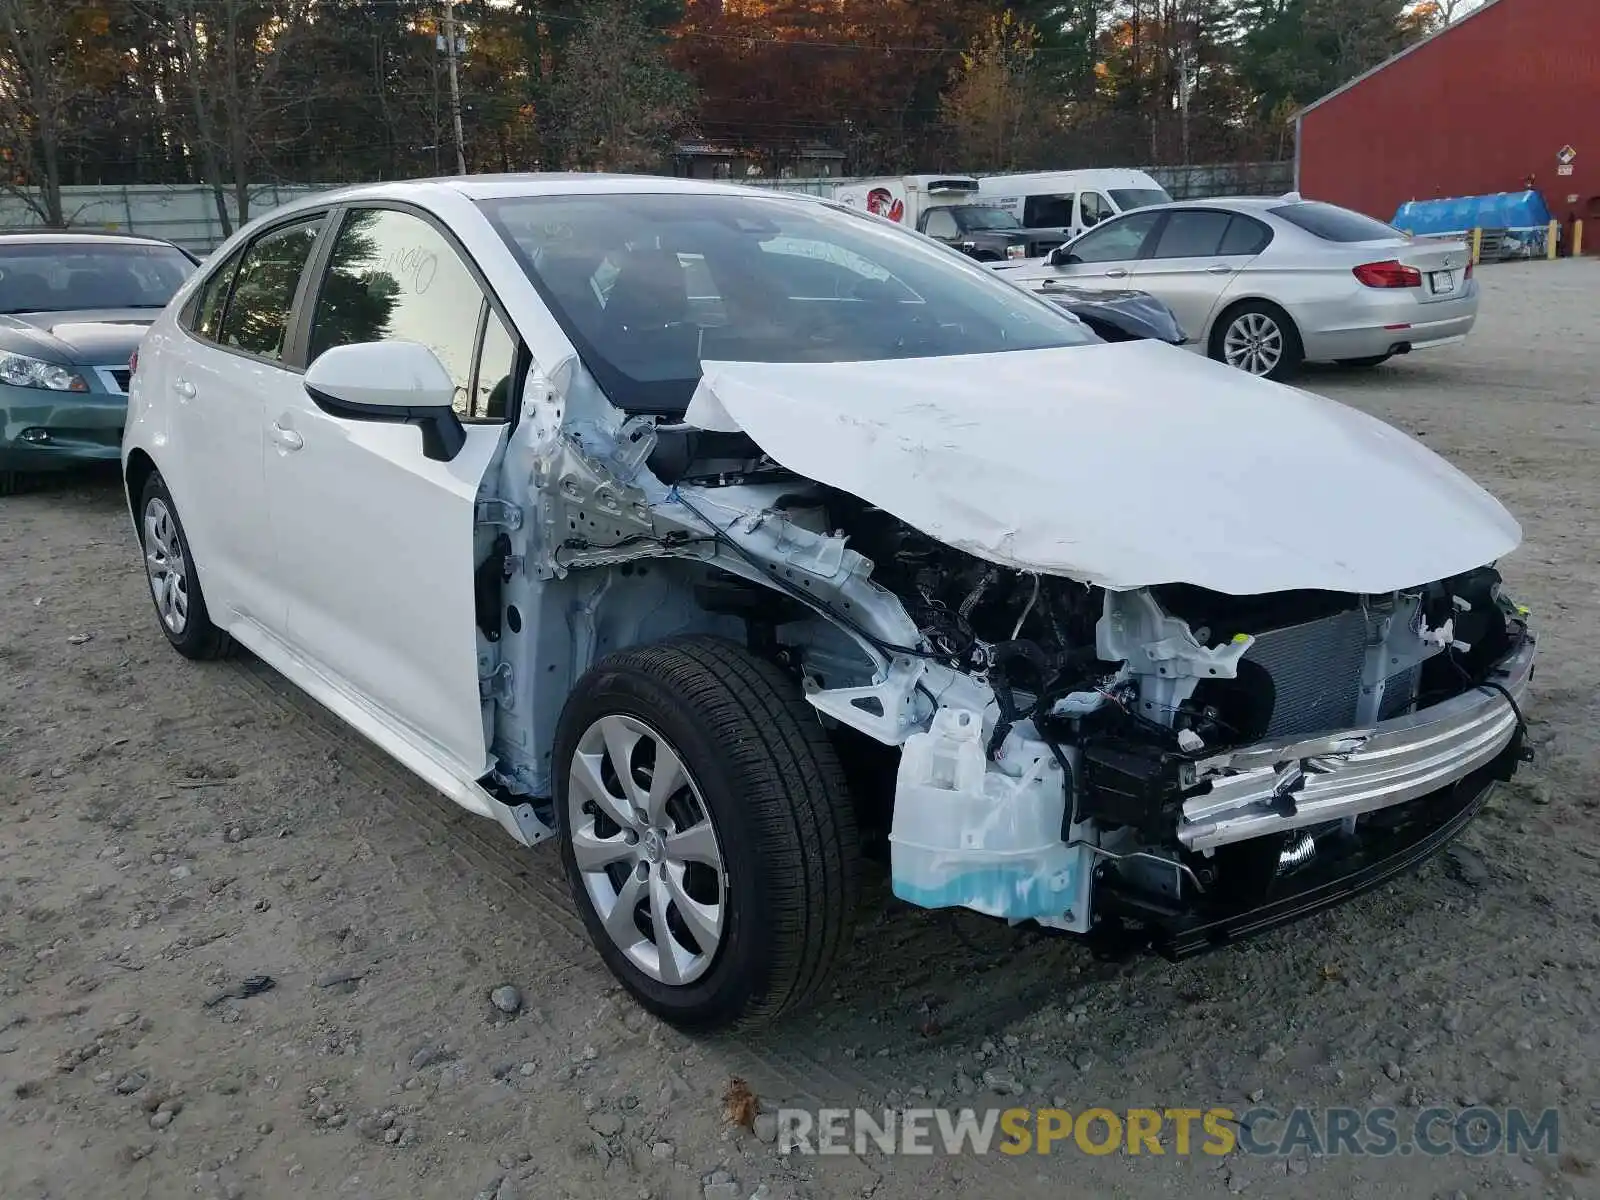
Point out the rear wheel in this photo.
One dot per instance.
(1258, 338)
(705, 830)
(174, 586)
(1376, 360)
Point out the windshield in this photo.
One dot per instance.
(649, 286)
(73, 276)
(973, 217)
(1127, 198)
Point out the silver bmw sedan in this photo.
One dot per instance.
(1265, 284)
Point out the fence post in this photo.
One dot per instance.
(1477, 246)
(1550, 240)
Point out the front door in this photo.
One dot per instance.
(377, 541)
(1103, 258)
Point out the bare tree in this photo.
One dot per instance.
(231, 54)
(621, 101)
(38, 90)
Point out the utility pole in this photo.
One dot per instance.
(455, 84)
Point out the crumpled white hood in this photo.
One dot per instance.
(1123, 465)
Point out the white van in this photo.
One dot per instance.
(1070, 201)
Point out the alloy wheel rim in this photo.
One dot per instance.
(1253, 343)
(647, 850)
(166, 566)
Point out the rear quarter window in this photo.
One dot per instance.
(1334, 224)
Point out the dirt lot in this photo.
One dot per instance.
(167, 830)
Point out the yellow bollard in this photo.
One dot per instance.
(1577, 238)
(1550, 241)
(1477, 246)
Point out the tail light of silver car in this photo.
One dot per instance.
(1388, 274)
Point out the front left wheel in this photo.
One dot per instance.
(706, 831)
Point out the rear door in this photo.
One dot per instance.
(1195, 258)
(377, 543)
(237, 330)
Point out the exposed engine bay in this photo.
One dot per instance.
(1068, 797)
(1167, 763)
(1138, 699)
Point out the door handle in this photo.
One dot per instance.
(184, 388)
(1219, 269)
(1117, 273)
(286, 438)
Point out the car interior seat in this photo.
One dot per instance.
(123, 289)
(647, 316)
(25, 291)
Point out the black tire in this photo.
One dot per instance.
(1376, 360)
(776, 797)
(1293, 350)
(198, 639)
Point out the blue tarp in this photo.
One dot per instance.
(1525, 211)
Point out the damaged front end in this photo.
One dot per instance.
(1177, 768)
(1163, 765)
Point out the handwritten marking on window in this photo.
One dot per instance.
(414, 266)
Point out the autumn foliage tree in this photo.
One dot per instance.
(998, 108)
(55, 62)
(240, 93)
(623, 104)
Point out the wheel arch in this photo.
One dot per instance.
(135, 474)
(1231, 304)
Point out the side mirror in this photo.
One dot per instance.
(399, 382)
(1062, 257)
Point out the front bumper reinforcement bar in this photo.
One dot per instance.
(1276, 787)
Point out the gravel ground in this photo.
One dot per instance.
(169, 830)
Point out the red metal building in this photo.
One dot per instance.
(1507, 92)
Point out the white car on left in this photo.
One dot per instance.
(1267, 284)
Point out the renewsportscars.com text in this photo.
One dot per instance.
(1377, 1132)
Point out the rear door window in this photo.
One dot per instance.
(1246, 236)
(257, 315)
(204, 318)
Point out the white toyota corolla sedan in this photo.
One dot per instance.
(1266, 284)
(719, 534)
